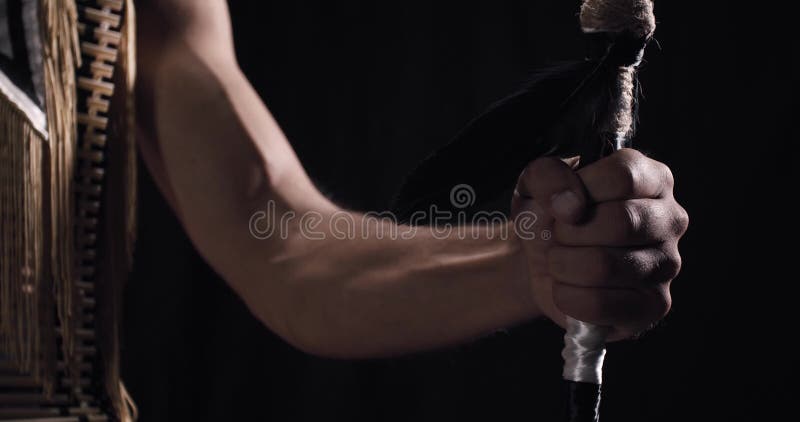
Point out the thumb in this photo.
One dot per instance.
(555, 185)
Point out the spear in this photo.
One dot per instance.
(587, 109)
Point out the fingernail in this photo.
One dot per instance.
(566, 204)
(573, 162)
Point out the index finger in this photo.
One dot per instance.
(626, 174)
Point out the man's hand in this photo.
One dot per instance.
(614, 247)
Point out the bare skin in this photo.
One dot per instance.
(219, 157)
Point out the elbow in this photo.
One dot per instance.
(296, 313)
(307, 321)
(328, 349)
(308, 304)
(327, 338)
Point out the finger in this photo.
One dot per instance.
(530, 218)
(636, 222)
(613, 267)
(626, 174)
(629, 311)
(553, 183)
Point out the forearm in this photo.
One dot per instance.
(363, 296)
(226, 159)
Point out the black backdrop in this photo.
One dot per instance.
(366, 89)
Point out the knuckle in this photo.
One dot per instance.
(680, 221)
(661, 305)
(630, 154)
(634, 266)
(670, 266)
(669, 177)
(660, 173)
(628, 176)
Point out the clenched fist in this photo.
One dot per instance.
(614, 247)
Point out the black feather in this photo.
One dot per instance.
(557, 113)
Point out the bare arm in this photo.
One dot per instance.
(222, 158)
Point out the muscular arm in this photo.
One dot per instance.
(221, 157)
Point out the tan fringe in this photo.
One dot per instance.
(21, 242)
(126, 128)
(61, 58)
(37, 208)
(131, 412)
(119, 200)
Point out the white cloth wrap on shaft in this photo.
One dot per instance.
(584, 351)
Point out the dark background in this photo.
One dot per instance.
(366, 89)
